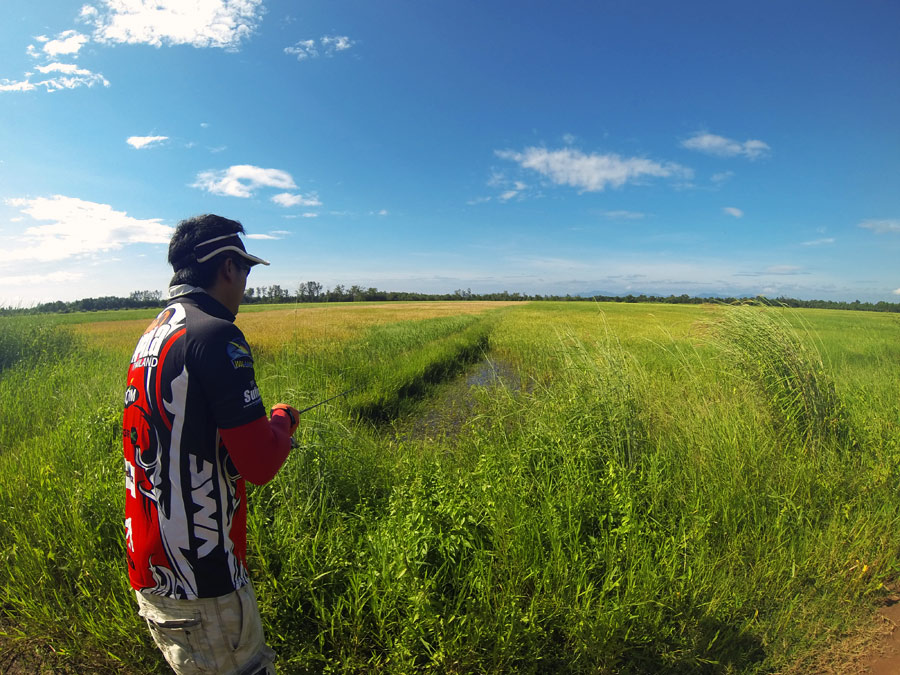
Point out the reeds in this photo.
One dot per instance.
(785, 361)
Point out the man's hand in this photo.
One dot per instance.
(289, 412)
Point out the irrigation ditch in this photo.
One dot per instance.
(451, 404)
(396, 388)
(417, 388)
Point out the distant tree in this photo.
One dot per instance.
(279, 293)
(337, 294)
(312, 290)
(309, 291)
(143, 298)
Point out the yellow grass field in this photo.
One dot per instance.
(313, 326)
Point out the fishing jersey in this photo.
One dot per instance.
(191, 374)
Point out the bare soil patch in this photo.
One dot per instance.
(883, 658)
(29, 656)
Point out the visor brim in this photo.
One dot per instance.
(254, 260)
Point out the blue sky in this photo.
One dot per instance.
(565, 147)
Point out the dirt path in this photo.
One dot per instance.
(884, 657)
(873, 650)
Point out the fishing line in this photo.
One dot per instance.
(294, 443)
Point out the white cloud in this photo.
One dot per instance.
(722, 176)
(139, 142)
(22, 85)
(261, 236)
(242, 180)
(819, 242)
(64, 68)
(287, 199)
(478, 200)
(732, 211)
(336, 43)
(712, 144)
(304, 49)
(199, 23)
(881, 226)
(281, 233)
(34, 279)
(784, 269)
(310, 215)
(79, 227)
(511, 188)
(330, 44)
(590, 173)
(896, 291)
(623, 215)
(68, 42)
(497, 179)
(70, 77)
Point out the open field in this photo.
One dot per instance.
(543, 487)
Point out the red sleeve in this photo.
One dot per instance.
(259, 448)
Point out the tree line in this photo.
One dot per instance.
(313, 291)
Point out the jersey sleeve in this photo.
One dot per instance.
(224, 363)
(259, 448)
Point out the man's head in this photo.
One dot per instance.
(201, 244)
(207, 251)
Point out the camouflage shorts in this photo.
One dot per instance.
(221, 635)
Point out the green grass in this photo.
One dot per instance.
(668, 489)
(32, 340)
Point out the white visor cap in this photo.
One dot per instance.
(229, 242)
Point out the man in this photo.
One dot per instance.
(195, 429)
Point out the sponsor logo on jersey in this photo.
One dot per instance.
(251, 395)
(131, 395)
(162, 318)
(206, 529)
(146, 362)
(239, 353)
(148, 347)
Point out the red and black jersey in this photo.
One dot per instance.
(185, 509)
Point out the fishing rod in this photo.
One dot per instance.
(294, 443)
(343, 393)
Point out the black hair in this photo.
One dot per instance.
(189, 233)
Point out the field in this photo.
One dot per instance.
(542, 487)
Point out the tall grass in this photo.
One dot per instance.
(648, 501)
(32, 340)
(61, 500)
(789, 370)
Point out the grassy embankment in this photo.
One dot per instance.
(667, 489)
